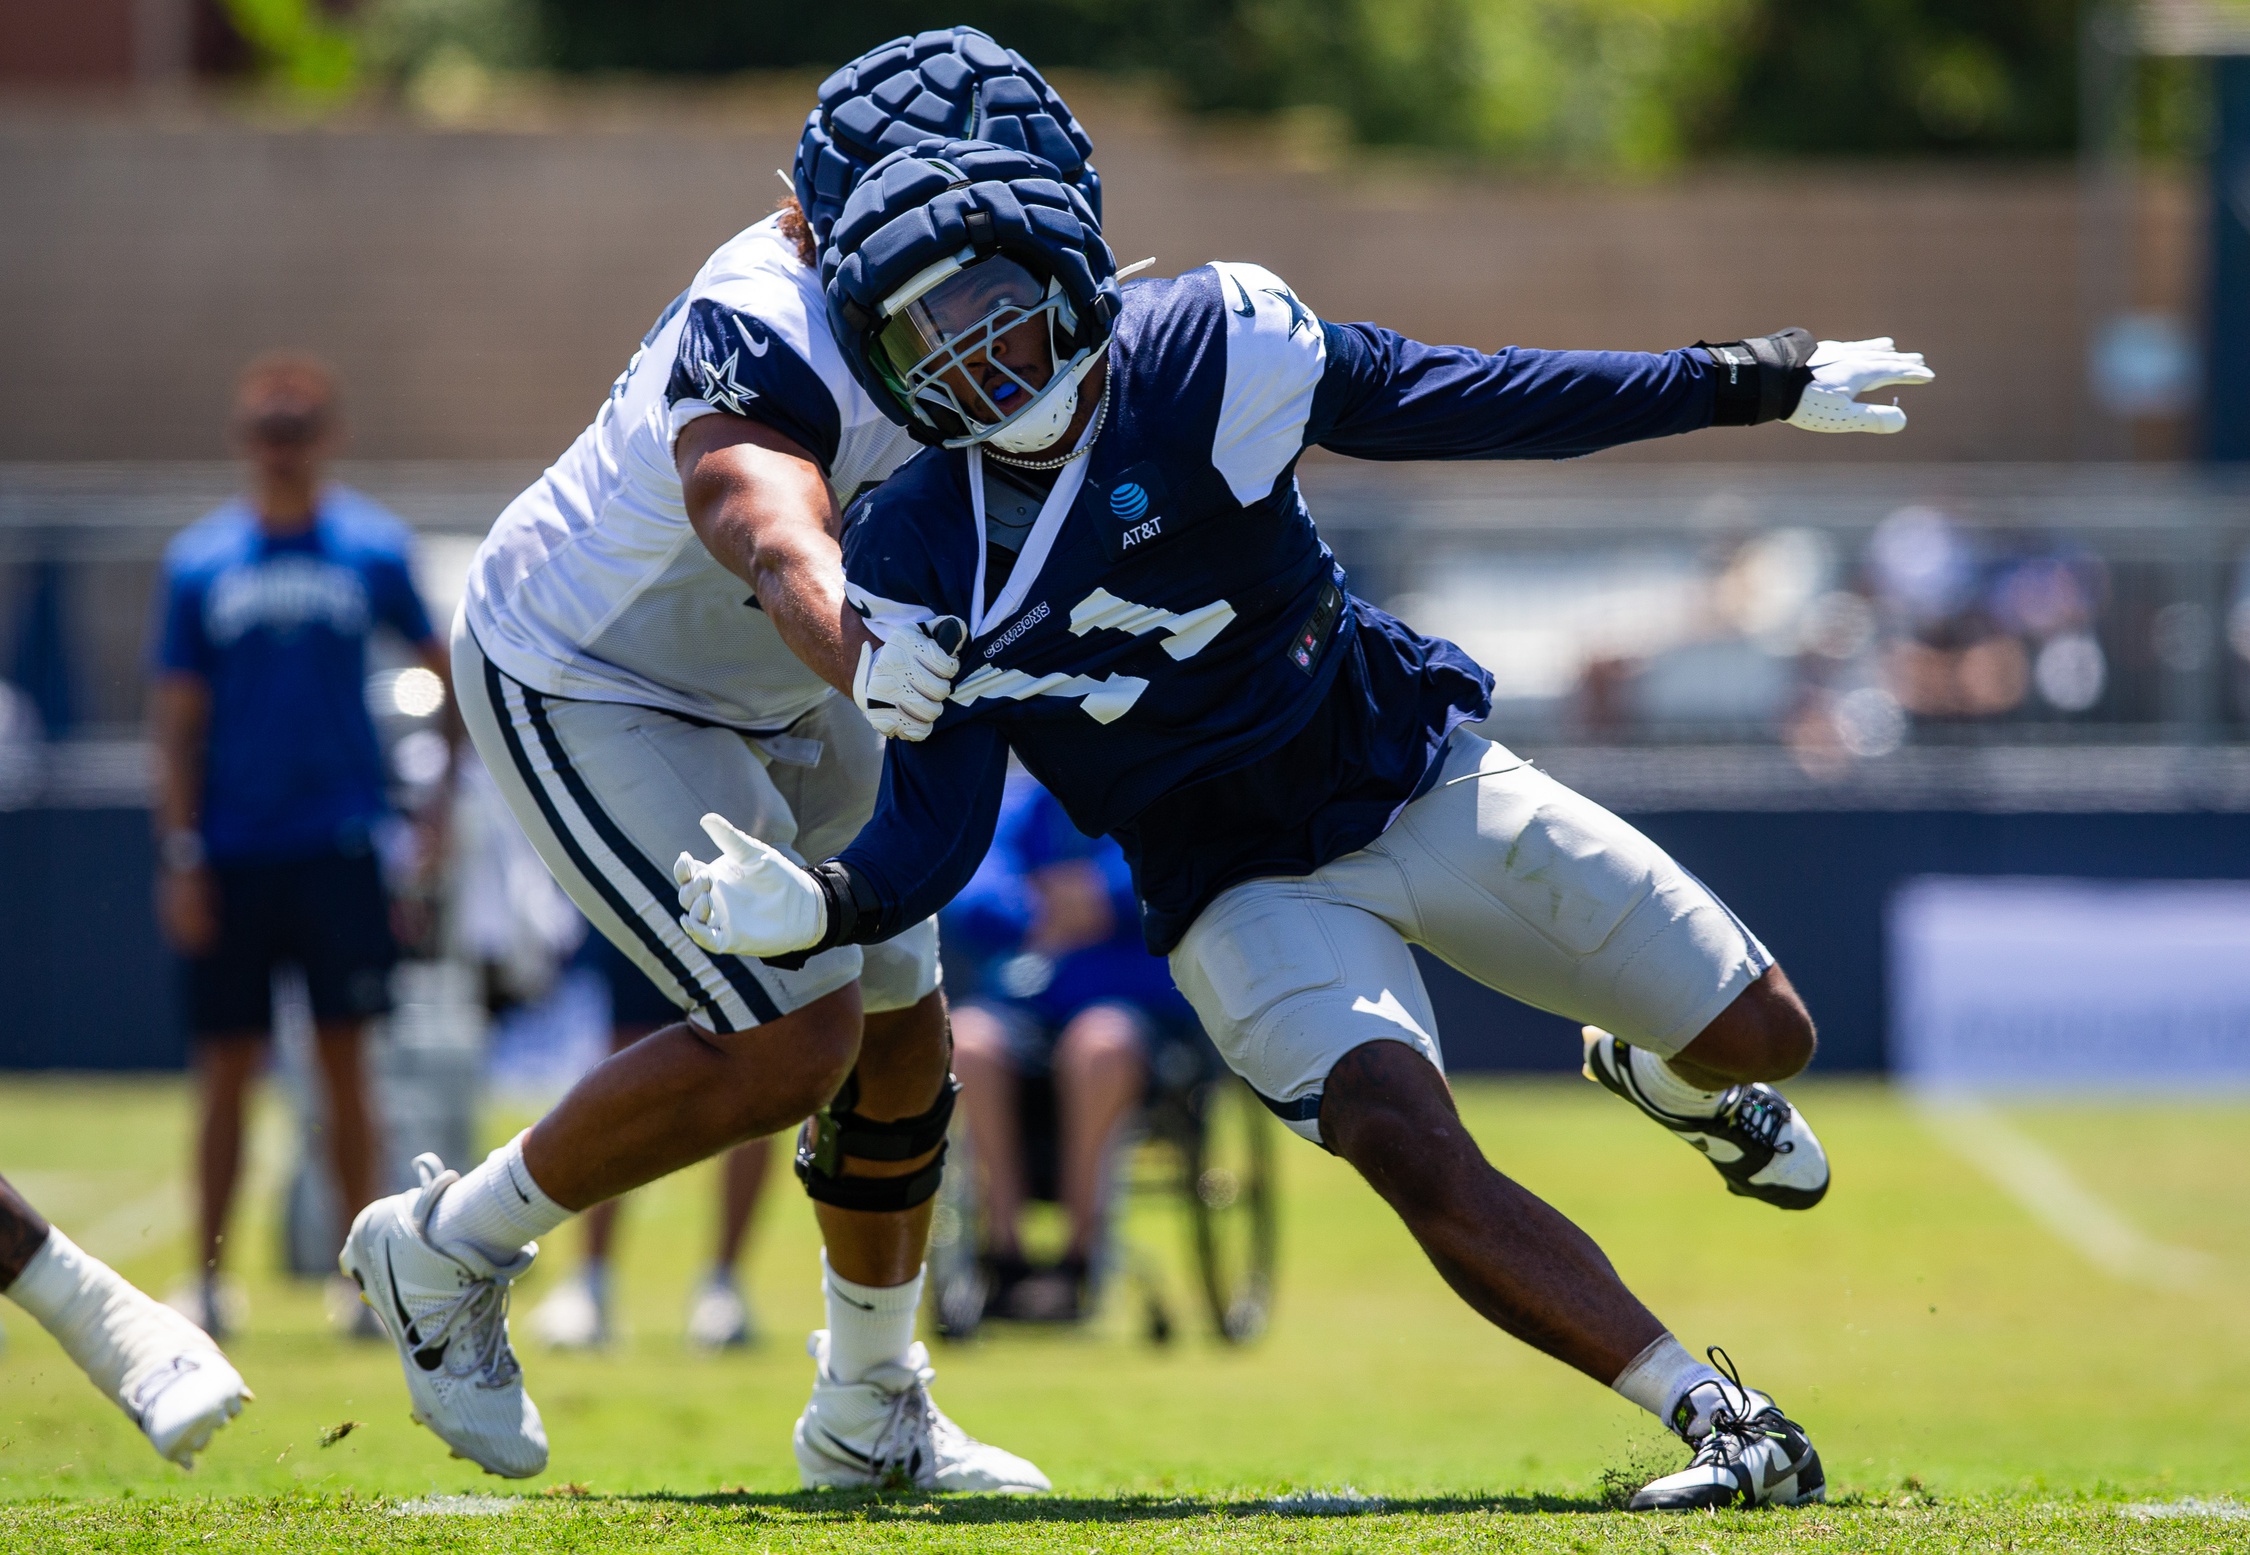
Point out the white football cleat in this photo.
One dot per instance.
(182, 1402)
(575, 1314)
(718, 1317)
(885, 1433)
(154, 1364)
(1755, 1139)
(447, 1312)
(1747, 1453)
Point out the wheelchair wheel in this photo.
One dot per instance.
(1231, 1197)
(956, 1278)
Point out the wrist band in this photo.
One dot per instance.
(181, 850)
(853, 914)
(1758, 380)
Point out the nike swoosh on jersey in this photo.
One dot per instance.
(1248, 309)
(757, 346)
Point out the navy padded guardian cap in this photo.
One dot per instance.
(952, 83)
(918, 207)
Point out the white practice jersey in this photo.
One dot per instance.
(593, 584)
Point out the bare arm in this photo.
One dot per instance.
(182, 715)
(762, 507)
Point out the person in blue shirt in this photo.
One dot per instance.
(1050, 978)
(270, 781)
(1157, 633)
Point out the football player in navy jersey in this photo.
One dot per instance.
(1159, 635)
(657, 628)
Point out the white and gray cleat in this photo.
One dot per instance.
(885, 1433)
(1754, 1138)
(719, 1317)
(1747, 1453)
(447, 1311)
(575, 1314)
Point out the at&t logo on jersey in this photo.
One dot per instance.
(1130, 502)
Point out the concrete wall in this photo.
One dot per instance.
(480, 288)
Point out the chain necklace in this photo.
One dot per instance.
(1042, 466)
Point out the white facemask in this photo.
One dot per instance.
(1042, 423)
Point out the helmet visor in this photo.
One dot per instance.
(972, 351)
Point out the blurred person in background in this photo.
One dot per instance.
(165, 1373)
(270, 784)
(578, 1313)
(1062, 987)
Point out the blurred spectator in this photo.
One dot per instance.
(1974, 636)
(577, 1314)
(270, 782)
(1055, 984)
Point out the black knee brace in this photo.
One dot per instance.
(836, 1133)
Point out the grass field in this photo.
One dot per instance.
(1971, 1377)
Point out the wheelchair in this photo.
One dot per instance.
(1201, 1139)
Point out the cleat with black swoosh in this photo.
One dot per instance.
(1747, 1453)
(447, 1311)
(1755, 1138)
(884, 1433)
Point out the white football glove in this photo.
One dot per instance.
(902, 685)
(750, 900)
(1842, 370)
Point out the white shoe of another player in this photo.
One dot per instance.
(182, 1402)
(1756, 1140)
(575, 1314)
(448, 1314)
(886, 1433)
(719, 1318)
(1747, 1453)
(169, 1376)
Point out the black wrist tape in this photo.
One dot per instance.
(853, 913)
(1759, 380)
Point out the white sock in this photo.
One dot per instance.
(868, 1325)
(1660, 1376)
(72, 1294)
(497, 1208)
(1661, 1086)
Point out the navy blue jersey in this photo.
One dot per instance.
(1175, 654)
(277, 626)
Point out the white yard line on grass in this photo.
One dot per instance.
(471, 1505)
(2042, 1183)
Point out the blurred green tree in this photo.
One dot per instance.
(1890, 76)
(298, 45)
(1626, 84)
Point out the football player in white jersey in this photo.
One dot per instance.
(657, 630)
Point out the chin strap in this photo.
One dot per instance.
(1068, 396)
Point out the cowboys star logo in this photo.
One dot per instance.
(720, 387)
(1298, 317)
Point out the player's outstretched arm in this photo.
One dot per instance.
(933, 823)
(1384, 396)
